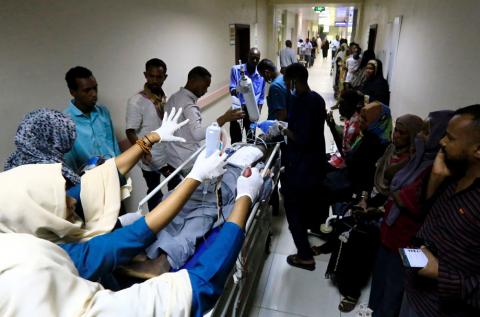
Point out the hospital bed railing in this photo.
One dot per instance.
(166, 180)
(241, 285)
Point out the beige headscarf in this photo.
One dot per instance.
(33, 200)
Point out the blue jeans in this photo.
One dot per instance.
(407, 309)
(387, 284)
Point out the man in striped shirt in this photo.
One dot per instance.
(449, 285)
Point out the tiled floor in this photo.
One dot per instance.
(284, 290)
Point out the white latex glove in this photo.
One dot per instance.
(208, 167)
(249, 186)
(169, 126)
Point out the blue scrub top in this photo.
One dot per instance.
(100, 255)
(209, 272)
(304, 158)
(278, 96)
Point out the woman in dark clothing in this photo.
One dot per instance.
(325, 47)
(375, 86)
(359, 234)
(358, 81)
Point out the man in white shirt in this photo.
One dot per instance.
(287, 56)
(144, 114)
(308, 53)
(335, 44)
(199, 80)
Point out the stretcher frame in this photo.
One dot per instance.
(242, 282)
(240, 288)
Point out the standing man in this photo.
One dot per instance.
(95, 134)
(144, 114)
(308, 52)
(199, 80)
(258, 88)
(335, 45)
(277, 102)
(287, 56)
(278, 94)
(449, 283)
(304, 154)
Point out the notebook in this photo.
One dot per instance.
(413, 258)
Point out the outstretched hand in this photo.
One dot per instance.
(170, 125)
(208, 167)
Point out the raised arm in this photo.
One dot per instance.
(439, 173)
(130, 157)
(204, 168)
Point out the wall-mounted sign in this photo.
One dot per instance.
(318, 9)
(232, 34)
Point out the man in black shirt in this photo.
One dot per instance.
(303, 158)
(449, 284)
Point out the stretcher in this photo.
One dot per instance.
(241, 285)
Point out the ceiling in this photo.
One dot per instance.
(305, 9)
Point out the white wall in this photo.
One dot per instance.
(41, 40)
(437, 62)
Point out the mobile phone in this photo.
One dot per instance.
(413, 258)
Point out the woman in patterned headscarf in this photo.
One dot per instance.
(44, 136)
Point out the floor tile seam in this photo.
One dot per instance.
(282, 311)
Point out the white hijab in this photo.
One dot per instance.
(33, 200)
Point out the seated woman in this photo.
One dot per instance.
(349, 105)
(358, 81)
(375, 132)
(375, 85)
(404, 215)
(57, 290)
(42, 138)
(360, 233)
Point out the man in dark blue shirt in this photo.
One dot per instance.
(278, 95)
(304, 159)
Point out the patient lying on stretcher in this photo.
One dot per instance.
(207, 208)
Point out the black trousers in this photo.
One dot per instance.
(236, 131)
(301, 207)
(152, 178)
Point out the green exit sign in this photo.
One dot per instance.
(318, 9)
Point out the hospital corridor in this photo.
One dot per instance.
(239, 158)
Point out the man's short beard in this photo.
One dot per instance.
(458, 167)
(156, 89)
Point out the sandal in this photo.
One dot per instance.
(347, 304)
(294, 260)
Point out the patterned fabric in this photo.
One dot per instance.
(379, 122)
(351, 132)
(43, 137)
